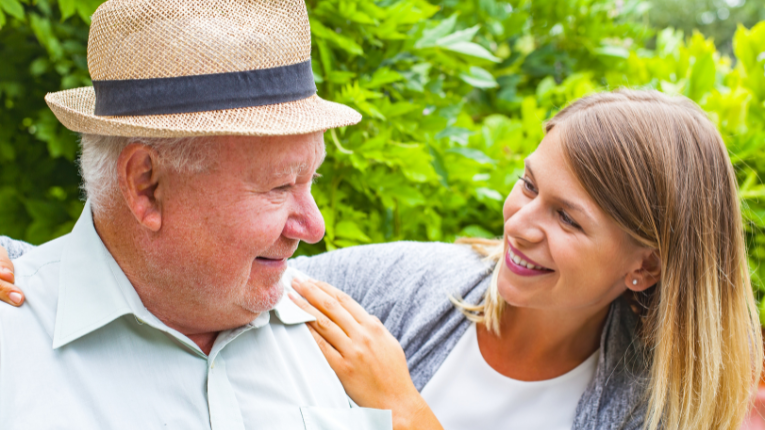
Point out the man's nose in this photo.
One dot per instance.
(305, 222)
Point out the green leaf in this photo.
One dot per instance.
(612, 51)
(13, 8)
(343, 42)
(702, 79)
(326, 56)
(340, 77)
(39, 66)
(433, 226)
(381, 77)
(465, 35)
(439, 166)
(68, 8)
(407, 195)
(349, 230)
(488, 193)
(429, 37)
(476, 231)
(474, 154)
(459, 41)
(44, 33)
(479, 78)
(456, 134)
(472, 49)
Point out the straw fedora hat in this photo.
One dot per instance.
(177, 68)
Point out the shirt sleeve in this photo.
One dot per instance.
(15, 248)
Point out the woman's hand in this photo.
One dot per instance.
(8, 292)
(368, 360)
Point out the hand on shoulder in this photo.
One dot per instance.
(8, 291)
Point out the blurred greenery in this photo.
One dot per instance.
(453, 94)
(716, 19)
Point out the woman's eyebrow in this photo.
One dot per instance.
(527, 164)
(571, 205)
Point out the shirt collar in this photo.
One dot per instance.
(94, 291)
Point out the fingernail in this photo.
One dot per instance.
(15, 298)
(5, 270)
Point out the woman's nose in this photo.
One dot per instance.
(524, 223)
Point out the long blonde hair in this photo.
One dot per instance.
(658, 166)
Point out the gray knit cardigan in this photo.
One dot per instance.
(407, 284)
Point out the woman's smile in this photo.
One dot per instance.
(521, 265)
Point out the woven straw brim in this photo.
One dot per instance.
(75, 107)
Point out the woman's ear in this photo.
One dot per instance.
(647, 275)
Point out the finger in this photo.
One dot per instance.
(328, 305)
(6, 267)
(324, 326)
(304, 305)
(10, 294)
(352, 306)
(330, 353)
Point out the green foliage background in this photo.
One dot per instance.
(453, 94)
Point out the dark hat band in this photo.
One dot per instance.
(199, 93)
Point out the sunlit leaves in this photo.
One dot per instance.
(335, 39)
(702, 77)
(443, 37)
(381, 76)
(12, 8)
(479, 78)
(749, 46)
(472, 154)
(453, 95)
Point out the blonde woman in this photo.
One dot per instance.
(618, 298)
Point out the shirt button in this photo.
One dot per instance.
(140, 321)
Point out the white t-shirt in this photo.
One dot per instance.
(468, 394)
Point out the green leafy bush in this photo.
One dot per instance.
(716, 19)
(453, 95)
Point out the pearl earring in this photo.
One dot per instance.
(634, 282)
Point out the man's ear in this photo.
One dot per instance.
(141, 185)
(647, 275)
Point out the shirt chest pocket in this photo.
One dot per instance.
(316, 418)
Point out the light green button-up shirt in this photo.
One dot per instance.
(83, 352)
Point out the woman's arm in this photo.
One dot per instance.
(15, 248)
(368, 360)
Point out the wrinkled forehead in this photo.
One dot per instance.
(262, 158)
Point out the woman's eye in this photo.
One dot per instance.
(567, 220)
(528, 186)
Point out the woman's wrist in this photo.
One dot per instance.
(414, 414)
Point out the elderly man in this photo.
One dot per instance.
(165, 308)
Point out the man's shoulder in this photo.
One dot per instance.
(39, 260)
(37, 275)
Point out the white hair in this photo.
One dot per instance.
(98, 162)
